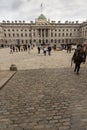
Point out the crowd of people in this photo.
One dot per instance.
(20, 48)
(78, 57)
(45, 49)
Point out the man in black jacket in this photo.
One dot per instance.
(78, 58)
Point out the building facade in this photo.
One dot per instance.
(42, 31)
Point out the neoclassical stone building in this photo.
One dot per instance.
(42, 31)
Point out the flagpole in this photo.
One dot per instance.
(41, 8)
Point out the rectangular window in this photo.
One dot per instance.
(51, 34)
(51, 40)
(13, 35)
(70, 34)
(6, 41)
(34, 34)
(21, 34)
(55, 41)
(22, 41)
(62, 40)
(66, 34)
(59, 34)
(25, 34)
(5, 34)
(34, 40)
(55, 35)
(9, 35)
(26, 41)
(17, 34)
(63, 34)
(29, 34)
(59, 41)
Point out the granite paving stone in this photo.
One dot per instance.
(46, 97)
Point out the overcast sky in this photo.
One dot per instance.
(28, 10)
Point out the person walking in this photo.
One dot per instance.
(69, 48)
(78, 58)
(28, 47)
(38, 49)
(49, 50)
(45, 50)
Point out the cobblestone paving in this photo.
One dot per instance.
(45, 99)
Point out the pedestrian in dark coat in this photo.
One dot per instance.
(49, 50)
(78, 58)
(45, 50)
(38, 50)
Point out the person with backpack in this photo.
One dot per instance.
(49, 50)
(45, 50)
(78, 58)
(38, 49)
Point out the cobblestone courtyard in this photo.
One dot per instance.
(45, 95)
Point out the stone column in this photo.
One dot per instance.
(49, 36)
(31, 36)
(44, 35)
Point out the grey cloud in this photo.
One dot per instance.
(55, 10)
(16, 4)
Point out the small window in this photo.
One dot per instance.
(21, 34)
(29, 34)
(51, 34)
(13, 35)
(55, 35)
(70, 34)
(22, 41)
(5, 34)
(51, 40)
(63, 34)
(25, 34)
(26, 41)
(59, 41)
(9, 35)
(17, 35)
(66, 34)
(59, 34)
(34, 34)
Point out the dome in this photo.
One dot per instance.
(42, 20)
(42, 17)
